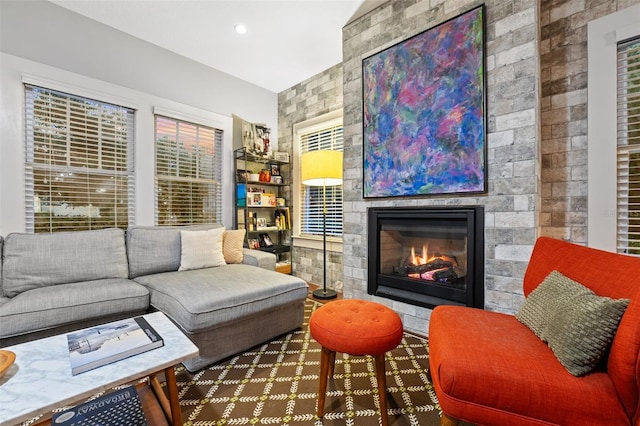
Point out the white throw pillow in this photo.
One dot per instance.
(201, 249)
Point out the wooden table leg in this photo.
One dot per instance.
(326, 357)
(382, 388)
(171, 406)
(172, 386)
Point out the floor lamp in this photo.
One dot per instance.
(322, 168)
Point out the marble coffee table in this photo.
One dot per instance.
(40, 380)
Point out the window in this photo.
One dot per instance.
(628, 142)
(188, 172)
(326, 134)
(612, 117)
(79, 162)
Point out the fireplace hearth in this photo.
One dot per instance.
(427, 256)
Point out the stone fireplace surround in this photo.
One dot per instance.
(511, 203)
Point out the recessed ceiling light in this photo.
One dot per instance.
(240, 29)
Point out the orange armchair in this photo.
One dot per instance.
(490, 369)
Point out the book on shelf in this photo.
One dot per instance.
(94, 347)
(240, 216)
(282, 218)
(265, 240)
(120, 407)
(241, 192)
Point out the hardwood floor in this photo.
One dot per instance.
(313, 287)
(151, 406)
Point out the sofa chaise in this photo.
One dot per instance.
(223, 310)
(570, 356)
(59, 282)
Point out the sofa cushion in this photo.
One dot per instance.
(39, 260)
(49, 307)
(232, 245)
(205, 298)
(578, 325)
(259, 258)
(201, 249)
(510, 374)
(1, 247)
(154, 249)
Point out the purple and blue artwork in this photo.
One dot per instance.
(424, 112)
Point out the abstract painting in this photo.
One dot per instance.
(424, 122)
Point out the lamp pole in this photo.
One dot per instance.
(324, 293)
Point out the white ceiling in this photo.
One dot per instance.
(287, 41)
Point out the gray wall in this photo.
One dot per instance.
(49, 34)
(41, 39)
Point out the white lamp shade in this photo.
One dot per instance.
(321, 168)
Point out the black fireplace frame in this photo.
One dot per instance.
(430, 295)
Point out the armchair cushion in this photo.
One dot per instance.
(578, 325)
(510, 375)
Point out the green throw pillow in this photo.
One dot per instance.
(577, 324)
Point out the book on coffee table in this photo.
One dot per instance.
(120, 407)
(94, 347)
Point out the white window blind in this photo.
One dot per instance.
(188, 172)
(311, 221)
(79, 162)
(628, 135)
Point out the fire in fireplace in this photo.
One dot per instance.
(443, 268)
(427, 256)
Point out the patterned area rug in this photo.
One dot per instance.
(277, 384)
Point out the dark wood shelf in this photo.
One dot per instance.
(275, 249)
(251, 208)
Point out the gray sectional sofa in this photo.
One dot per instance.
(54, 283)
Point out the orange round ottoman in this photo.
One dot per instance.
(355, 327)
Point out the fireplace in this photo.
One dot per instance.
(427, 256)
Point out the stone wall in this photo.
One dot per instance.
(512, 100)
(563, 63)
(313, 97)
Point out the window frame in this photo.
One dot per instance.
(603, 37)
(315, 124)
(31, 164)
